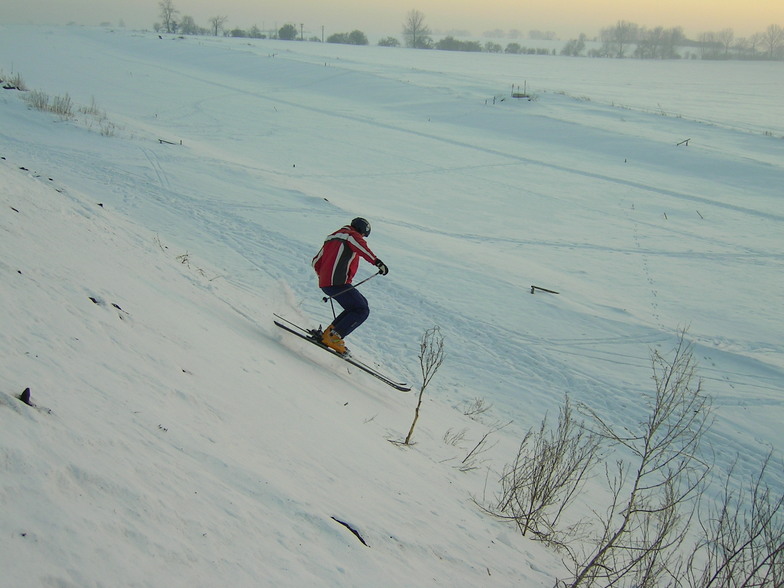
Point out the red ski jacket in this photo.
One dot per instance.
(337, 261)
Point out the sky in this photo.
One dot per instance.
(567, 18)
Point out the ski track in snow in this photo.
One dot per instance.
(242, 235)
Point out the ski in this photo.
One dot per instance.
(310, 337)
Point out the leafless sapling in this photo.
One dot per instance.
(653, 493)
(545, 475)
(431, 356)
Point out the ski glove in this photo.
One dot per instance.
(382, 267)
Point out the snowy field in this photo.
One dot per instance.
(180, 439)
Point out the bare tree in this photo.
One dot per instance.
(546, 475)
(431, 356)
(743, 538)
(726, 37)
(708, 45)
(616, 39)
(216, 24)
(659, 43)
(573, 47)
(648, 43)
(754, 42)
(773, 39)
(188, 26)
(415, 31)
(653, 496)
(168, 15)
(673, 38)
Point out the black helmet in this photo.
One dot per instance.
(361, 225)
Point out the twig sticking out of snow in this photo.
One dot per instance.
(352, 529)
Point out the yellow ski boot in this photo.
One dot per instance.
(332, 339)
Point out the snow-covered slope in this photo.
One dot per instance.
(180, 439)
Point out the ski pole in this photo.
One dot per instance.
(328, 298)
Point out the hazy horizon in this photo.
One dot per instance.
(566, 18)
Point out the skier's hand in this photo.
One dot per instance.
(382, 267)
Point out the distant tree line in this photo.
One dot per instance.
(768, 44)
(628, 39)
(623, 39)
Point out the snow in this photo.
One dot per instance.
(180, 439)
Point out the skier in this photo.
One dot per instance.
(336, 264)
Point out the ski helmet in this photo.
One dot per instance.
(361, 225)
